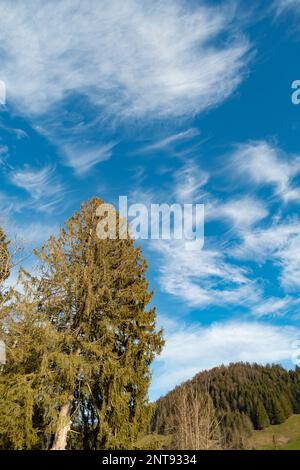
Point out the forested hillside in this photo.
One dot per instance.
(244, 396)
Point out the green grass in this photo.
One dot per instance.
(285, 436)
(293, 445)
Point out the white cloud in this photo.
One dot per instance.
(189, 183)
(31, 234)
(129, 60)
(202, 277)
(78, 143)
(213, 275)
(283, 5)
(190, 349)
(274, 307)
(8, 205)
(279, 243)
(289, 260)
(167, 142)
(132, 58)
(42, 185)
(35, 182)
(241, 212)
(82, 159)
(24, 238)
(265, 164)
(3, 151)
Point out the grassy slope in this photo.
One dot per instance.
(285, 436)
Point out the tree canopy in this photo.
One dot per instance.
(80, 339)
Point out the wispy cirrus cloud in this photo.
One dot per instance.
(242, 212)
(262, 163)
(131, 58)
(189, 182)
(83, 158)
(192, 348)
(203, 277)
(283, 5)
(36, 182)
(219, 273)
(127, 62)
(275, 306)
(279, 243)
(3, 153)
(170, 140)
(31, 234)
(42, 184)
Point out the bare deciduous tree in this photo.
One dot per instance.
(196, 426)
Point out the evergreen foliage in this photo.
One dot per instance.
(245, 397)
(80, 341)
(4, 261)
(260, 417)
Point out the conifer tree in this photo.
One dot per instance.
(27, 408)
(4, 261)
(278, 416)
(4, 274)
(286, 405)
(80, 341)
(96, 293)
(261, 418)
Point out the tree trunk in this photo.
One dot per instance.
(64, 423)
(63, 426)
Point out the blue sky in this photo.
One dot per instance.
(167, 101)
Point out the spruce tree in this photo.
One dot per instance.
(4, 274)
(28, 410)
(286, 404)
(4, 261)
(261, 418)
(80, 341)
(278, 415)
(94, 294)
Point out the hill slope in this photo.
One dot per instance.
(245, 397)
(285, 436)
